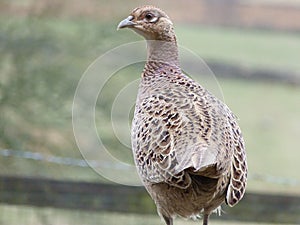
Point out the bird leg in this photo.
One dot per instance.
(168, 220)
(205, 219)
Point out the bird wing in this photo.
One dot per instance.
(176, 129)
(239, 168)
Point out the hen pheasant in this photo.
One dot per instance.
(187, 145)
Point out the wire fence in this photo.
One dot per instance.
(69, 161)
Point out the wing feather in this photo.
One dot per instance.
(179, 127)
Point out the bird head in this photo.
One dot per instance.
(150, 22)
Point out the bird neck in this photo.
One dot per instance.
(162, 53)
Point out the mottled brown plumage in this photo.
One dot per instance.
(187, 145)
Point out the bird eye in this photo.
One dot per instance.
(150, 18)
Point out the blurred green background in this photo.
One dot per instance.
(45, 47)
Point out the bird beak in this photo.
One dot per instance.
(126, 23)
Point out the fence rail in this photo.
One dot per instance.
(111, 197)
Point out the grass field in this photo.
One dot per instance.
(43, 216)
(42, 60)
(251, 48)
